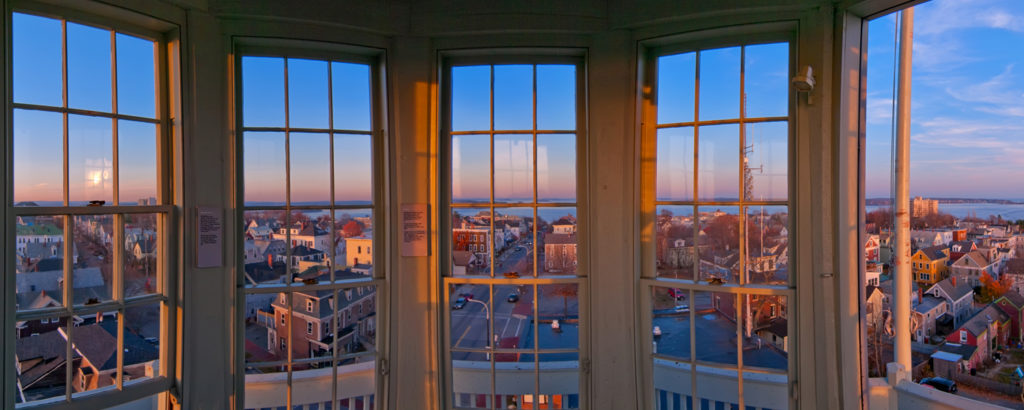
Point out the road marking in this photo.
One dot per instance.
(459, 342)
(519, 326)
(505, 329)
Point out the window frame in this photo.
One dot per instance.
(447, 59)
(376, 59)
(649, 50)
(162, 26)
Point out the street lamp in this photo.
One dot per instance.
(487, 318)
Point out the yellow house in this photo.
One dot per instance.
(929, 264)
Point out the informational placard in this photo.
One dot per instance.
(414, 230)
(209, 237)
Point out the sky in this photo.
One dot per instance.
(967, 100)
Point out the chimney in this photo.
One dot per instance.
(953, 279)
(920, 296)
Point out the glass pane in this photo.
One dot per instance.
(357, 321)
(471, 241)
(676, 76)
(264, 167)
(470, 319)
(768, 245)
(41, 354)
(559, 303)
(136, 76)
(88, 68)
(471, 98)
(264, 247)
(91, 162)
(767, 160)
(263, 91)
(719, 168)
(559, 380)
(310, 168)
(670, 312)
(136, 163)
(354, 251)
(720, 84)
(715, 326)
(556, 97)
(513, 244)
(95, 340)
(39, 250)
(93, 281)
(142, 340)
(353, 169)
(557, 234)
(674, 241)
(471, 168)
(513, 97)
(513, 319)
(261, 325)
(308, 234)
(37, 60)
(556, 168)
(766, 79)
(38, 158)
(312, 332)
(142, 251)
(351, 96)
(719, 244)
(307, 94)
(513, 168)
(675, 164)
(765, 332)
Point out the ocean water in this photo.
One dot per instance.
(982, 210)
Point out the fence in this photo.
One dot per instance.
(987, 384)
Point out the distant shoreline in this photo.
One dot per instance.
(886, 201)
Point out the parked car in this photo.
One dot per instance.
(657, 331)
(513, 297)
(940, 383)
(682, 308)
(460, 303)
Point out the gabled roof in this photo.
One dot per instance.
(1015, 266)
(974, 257)
(978, 323)
(559, 239)
(928, 303)
(870, 290)
(933, 252)
(778, 327)
(1016, 299)
(957, 292)
(964, 246)
(48, 348)
(98, 344)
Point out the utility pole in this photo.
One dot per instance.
(902, 288)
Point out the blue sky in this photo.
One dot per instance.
(967, 110)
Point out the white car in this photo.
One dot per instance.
(657, 331)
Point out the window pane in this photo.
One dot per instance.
(307, 93)
(513, 97)
(357, 334)
(310, 168)
(308, 235)
(353, 169)
(93, 281)
(470, 319)
(674, 241)
(471, 241)
(720, 84)
(676, 76)
(558, 236)
(264, 168)
(263, 91)
(715, 327)
(95, 340)
(670, 311)
(351, 100)
(767, 158)
(39, 250)
(471, 98)
(719, 243)
(261, 326)
(768, 245)
(264, 247)
(142, 339)
(513, 168)
(556, 168)
(557, 303)
(37, 62)
(38, 158)
(513, 319)
(719, 154)
(142, 254)
(88, 68)
(471, 168)
(766, 80)
(560, 380)
(675, 164)
(91, 162)
(312, 310)
(136, 162)
(354, 252)
(41, 354)
(513, 246)
(765, 332)
(136, 76)
(556, 97)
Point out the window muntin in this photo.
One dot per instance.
(512, 154)
(88, 127)
(308, 154)
(720, 215)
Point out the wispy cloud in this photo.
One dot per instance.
(1002, 94)
(946, 16)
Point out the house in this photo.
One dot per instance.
(1012, 303)
(358, 250)
(872, 273)
(307, 234)
(1014, 269)
(144, 249)
(462, 260)
(41, 361)
(926, 310)
(988, 329)
(560, 252)
(972, 265)
(97, 345)
(929, 264)
(958, 249)
(564, 225)
(958, 294)
(924, 239)
(873, 305)
(871, 248)
(776, 333)
(953, 358)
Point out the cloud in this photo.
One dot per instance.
(1000, 95)
(943, 16)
